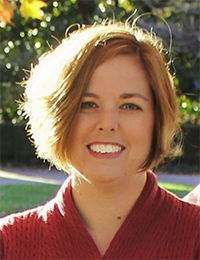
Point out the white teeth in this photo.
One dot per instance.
(108, 148)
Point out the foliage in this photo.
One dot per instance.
(6, 12)
(189, 110)
(28, 8)
(23, 40)
(32, 8)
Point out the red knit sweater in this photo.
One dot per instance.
(159, 226)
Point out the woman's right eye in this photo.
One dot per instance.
(88, 104)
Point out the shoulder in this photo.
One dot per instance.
(15, 229)
(19, 220)
(168, 206)
(22, 230)
(28, 217)
(39, 215)
(177, 221)
(27, 222)
(181, 214)
(179, 205)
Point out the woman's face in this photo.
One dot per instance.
(113, 133)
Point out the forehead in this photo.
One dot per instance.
(122, 73)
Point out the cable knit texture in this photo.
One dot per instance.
(159, 226)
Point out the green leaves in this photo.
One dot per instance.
(189, 110)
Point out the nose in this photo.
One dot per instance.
(107, 121)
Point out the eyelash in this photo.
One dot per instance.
(88, 105)
(131, 106)
(91, 105)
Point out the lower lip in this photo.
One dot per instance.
(105, 155)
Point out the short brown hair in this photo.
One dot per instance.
(56, 86)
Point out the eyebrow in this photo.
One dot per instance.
(122, 96)
(132, 95)
(90, 94)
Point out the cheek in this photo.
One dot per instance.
(85, 124)
(81, 132)
(141, 131)
(78, 127)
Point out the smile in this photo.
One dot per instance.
(106, 148)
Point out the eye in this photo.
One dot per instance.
(88, 105)
(130, 106)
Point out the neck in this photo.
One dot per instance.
(104, 206)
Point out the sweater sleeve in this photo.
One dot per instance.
(197, 256)
(1, 247)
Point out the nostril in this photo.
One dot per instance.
(101, 129)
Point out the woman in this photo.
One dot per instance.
(102, 106)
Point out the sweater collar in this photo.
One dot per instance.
(68, 210)
(66, 204)
(138, 216)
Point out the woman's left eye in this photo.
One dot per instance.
(130, 106)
